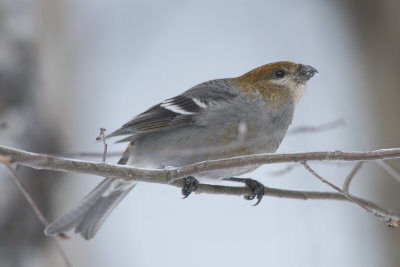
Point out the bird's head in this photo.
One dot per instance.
(276, 82)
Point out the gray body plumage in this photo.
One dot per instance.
(212, 120)
(233, 126)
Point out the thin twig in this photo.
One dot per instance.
(319, 128)
(389, 169)
(349, 178)
(102, 137)
(391, 221)
(31, 202)
(38, 213)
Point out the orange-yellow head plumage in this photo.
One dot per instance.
(276, 81)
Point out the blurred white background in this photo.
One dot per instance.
(100, 63)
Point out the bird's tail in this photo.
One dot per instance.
(90, 214)
(92, 211)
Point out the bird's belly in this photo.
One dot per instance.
(184, 147)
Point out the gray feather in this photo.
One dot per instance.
(90, 214)
(179, 111)
(95, 217)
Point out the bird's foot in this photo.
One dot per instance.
(258, 188)
(191, 185)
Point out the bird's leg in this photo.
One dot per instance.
(191, 185)
(258, 188)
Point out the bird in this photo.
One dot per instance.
(216, 119)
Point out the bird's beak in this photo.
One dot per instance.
(306, 72)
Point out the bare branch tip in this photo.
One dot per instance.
(101, 137)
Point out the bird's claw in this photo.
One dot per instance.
(258, 190)
(191, 185)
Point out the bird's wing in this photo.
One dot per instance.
(179, 111)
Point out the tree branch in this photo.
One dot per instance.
(42, 161)
(173, 176)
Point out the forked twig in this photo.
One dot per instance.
(390, 221)
(351, 175)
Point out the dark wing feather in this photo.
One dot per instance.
(175, 112)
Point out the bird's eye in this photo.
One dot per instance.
(279, 74)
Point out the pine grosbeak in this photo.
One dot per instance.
(217, 119)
